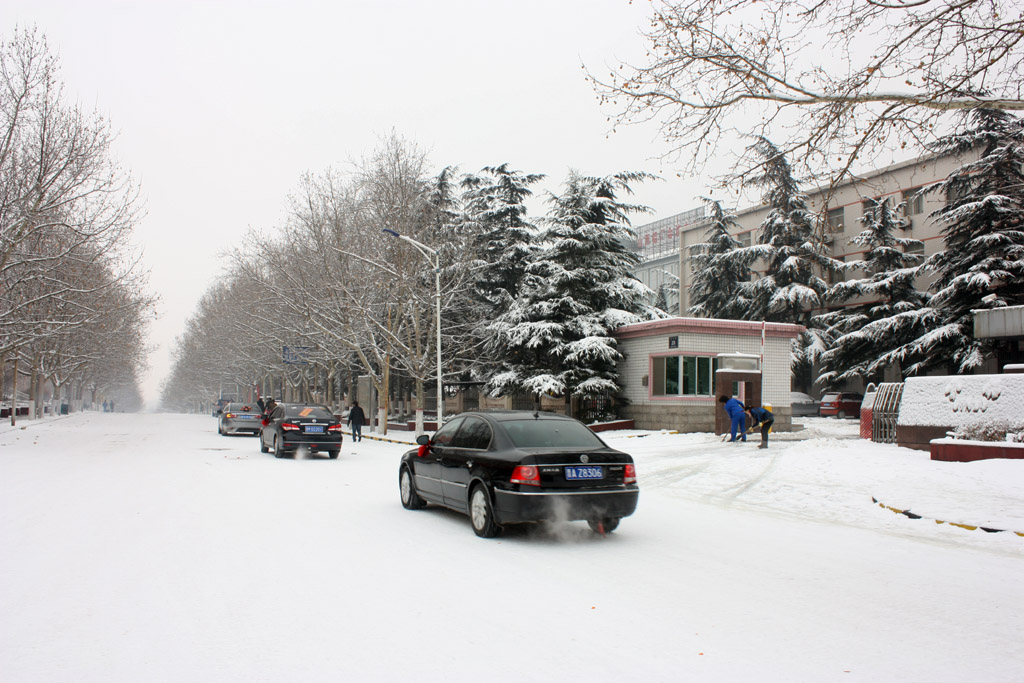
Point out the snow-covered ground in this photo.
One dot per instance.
(148, 548)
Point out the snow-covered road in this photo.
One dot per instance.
(148, 548)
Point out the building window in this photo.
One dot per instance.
(834, 220)
(672, 375)
(683, 375)
(834, 276)
(916, 248)
(955, 193)
(746, 238)
(913, 202)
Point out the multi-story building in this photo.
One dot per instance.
(846, 204)
(658, 245)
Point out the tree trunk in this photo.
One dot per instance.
(14, 392)
(33, 391)
(382, 409)
(420, 399)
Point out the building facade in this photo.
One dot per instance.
(841, 207)
(658, 245)
(669, 367)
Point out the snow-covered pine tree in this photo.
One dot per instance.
(720, 269)
(506, 238)
(887, 311)
(560, 329)
(505, 244)
(984, 241)
(661, 299)
(790, 243)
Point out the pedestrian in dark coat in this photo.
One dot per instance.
(738, 415)
(356, 418)
(268, 407)
(763, 417)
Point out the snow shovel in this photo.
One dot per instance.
(725, 437)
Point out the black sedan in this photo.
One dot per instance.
(520, 466)
(239, 418)
(294, 426)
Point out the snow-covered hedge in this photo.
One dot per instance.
(980, 407)
(992, 431)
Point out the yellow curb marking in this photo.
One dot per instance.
(969, 527)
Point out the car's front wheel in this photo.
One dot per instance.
(482, 514)
(277, 448)
(410, 497)
(263, 444)
(603, 526)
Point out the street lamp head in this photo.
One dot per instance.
(390, 232)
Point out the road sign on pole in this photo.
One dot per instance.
(295, 355)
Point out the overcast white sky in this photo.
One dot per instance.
(221, 106)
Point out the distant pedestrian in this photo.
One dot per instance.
(356, 418)
(104, 406)
(738, 416)
(763, 417)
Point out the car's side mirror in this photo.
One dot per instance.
(423, 439)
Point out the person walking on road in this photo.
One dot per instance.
(356, 418)
(738, 415)
(763, 417)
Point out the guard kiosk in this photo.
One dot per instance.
(738, 375)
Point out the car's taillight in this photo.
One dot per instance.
(526, 474)
(289, 427)
(629, 476)
(229, 415)
(334, 428)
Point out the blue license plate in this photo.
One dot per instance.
(314, 429)
(247, 417)
(584, 472)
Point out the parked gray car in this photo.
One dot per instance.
(803, 405)
(239, 418)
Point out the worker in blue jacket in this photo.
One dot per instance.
(763, 417)
(738, 414)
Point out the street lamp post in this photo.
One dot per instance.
(427, 253)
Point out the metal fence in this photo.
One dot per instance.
(595, 409)
(886, 411)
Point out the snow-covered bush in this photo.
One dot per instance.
(998, 430)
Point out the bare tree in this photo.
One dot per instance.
(832, 80)
(67, 211)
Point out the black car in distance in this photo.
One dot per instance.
(294, 426)
(510, 467)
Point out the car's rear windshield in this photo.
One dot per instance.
(308, 411)
(531, 433)
(239, 407)
(830, 397)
